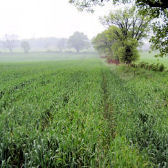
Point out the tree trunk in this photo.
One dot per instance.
(77, 50)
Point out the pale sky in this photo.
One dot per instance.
(47, 18)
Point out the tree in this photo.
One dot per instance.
(10, 42)
(25, 45)
(162, 4)
(132, 28)
(100, 43)
(78, 41)
(111, 43)
(105, 41)
(156, 9)
(131, 24)
(128, 51)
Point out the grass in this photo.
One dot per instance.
(150, 58)
(44, 56)
(140, 100)
(82, 113)
(60, 114)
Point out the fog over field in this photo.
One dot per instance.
(83, 83)
(45, 26)
(47, 18)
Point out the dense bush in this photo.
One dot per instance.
(128, 52)
(146, 65)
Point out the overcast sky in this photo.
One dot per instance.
(47, 18)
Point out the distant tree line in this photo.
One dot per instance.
(77, 41)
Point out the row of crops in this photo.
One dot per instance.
(50, 115)
(141, 98)
(81, 114)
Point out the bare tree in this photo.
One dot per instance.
(10, 41)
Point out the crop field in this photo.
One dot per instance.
(82, 113)
(150, 58)
(44, 56)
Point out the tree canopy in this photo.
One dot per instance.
(156, 9)
(131, 24)
(78, 41)
(151, 3)
(126, 29)
(108, 42)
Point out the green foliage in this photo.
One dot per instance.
(78, 41)
(154, 9)
(100, 43)
(157, 10)
(162, 4)
(106, 41)
(161, 68)
(128, 52)
(153, 66)
(124, 38)
(159, 40)
(130, 22)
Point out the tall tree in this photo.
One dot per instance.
(156, 9)
(78, 41)
(105, 41)
(130, 22)
(25, 45)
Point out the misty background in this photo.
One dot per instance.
(46, 26)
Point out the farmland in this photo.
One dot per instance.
(150, 58)
(42, 56)
(82, 113)
(79, 88)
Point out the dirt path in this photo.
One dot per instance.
(108, 110)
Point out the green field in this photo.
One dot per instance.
(44, 56)
(82, 113)
(150, 58)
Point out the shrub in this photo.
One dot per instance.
(161, 68)
(153, 67)
(128, 52)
